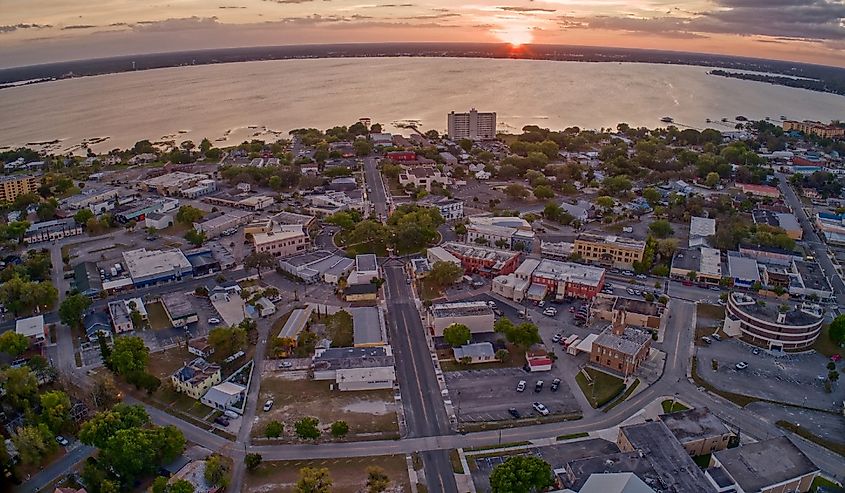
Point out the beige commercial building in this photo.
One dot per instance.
(816, 128)
(476, 315)
(12, 186)
(610, 251)
(639, 313)
(283, 241)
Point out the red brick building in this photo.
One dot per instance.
(488, 262)
(621, 348)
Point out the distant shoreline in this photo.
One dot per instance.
(819, 78)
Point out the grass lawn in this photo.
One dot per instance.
(455, 459)
(820, 481)
(163, 363)
(707, 317)
(158, 319)
(669, 408)
(619, 400)
(339, 328)
(601, 388)
(429, 290)
(447, 363)
(826, 346)
(369, 414)
(702, 461)
(348, 475)
(572, 436)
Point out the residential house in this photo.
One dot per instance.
(196, 377)
(120, 317)
(33, 329)
(479, 352)
(224, 396)
(96, 323)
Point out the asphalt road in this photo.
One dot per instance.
(425, 413)
(812, 239)
(374, 180)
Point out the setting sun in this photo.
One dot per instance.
(513, 32)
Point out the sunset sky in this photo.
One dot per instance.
(38, 31)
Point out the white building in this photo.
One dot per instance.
(120, 317)
(476, 315)
(32, 328)
(473, 125)
(223, 396)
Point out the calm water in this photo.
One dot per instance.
(234, 102)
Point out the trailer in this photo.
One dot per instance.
(569, 340)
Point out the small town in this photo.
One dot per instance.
(576, 310)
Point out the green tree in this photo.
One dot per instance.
(692, 275)
(216, 471)
(33, 443)
(521, 474)
(103, 425)
(524, 334)
(55, 409)
(252, 461)
(712, 179)
(652, 196)
(307, 428)
(605, 202)
(189, 215)
(13, 343)
(516, 191)
(20, 386)
(465, 144)
(195, 237)
(377, 480)
(72, 309)
(362, 147)
(445, 273)
(258, 261)
(661, 228)
(130, 453)
(274, 429)
(82, 216)
(339, 429)
(227, 340)
(457, 335)
(543, 192)
(836, 331)
(129, 355)
(313, 480)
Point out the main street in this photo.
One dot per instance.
(375, 183)
(425, 414)
(812, 239)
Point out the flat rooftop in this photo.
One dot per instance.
(142, 262)
(497, 257)
(812, 275)
(641, 307)
(769, 311)
(225, 219)
(616, 241)
(743, 268)
(669, 459)
(760, 464)
(365, 263)
(368, 326)
(177, 305)
(687, 259)
(694, 424)
(281, 233)
(702, 226)
(354, 357)
(569, 272)
(461, 309)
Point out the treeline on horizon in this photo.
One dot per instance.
(831, 79)
(835, 85)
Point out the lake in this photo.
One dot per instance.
(233, 102)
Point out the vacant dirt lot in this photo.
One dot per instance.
(368, 413)
(349, 475)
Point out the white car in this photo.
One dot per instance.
(491, 304)
(213, 320)
(62, 440)
(741, 365)
(550, 312)
(629, 290)
(268, 405)
(541, 304)
(557, 337)
(540, 408)
(520, 387)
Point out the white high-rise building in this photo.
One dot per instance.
(472, 125)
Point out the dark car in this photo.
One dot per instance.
(222, 420)
(538, 387)
(513, 412)
(555, 385)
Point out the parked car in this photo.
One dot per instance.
(285, 364)
(741, 365)
(571, 309)
(230, 414)
(557, 337)
(755, 351)
(62, 440)
(629, 291)
(513, 412)
(555, 385)
(707, 340)
(550, 312)
(642, 276)
(491, 304)
(541, 304)
(213, 320)
(520, 387)
(221, 420)
(538, 387)
(716, 337)
(540, 408)
(268, 405)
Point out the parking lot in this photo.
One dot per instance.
(486, 395)
(791, 378)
